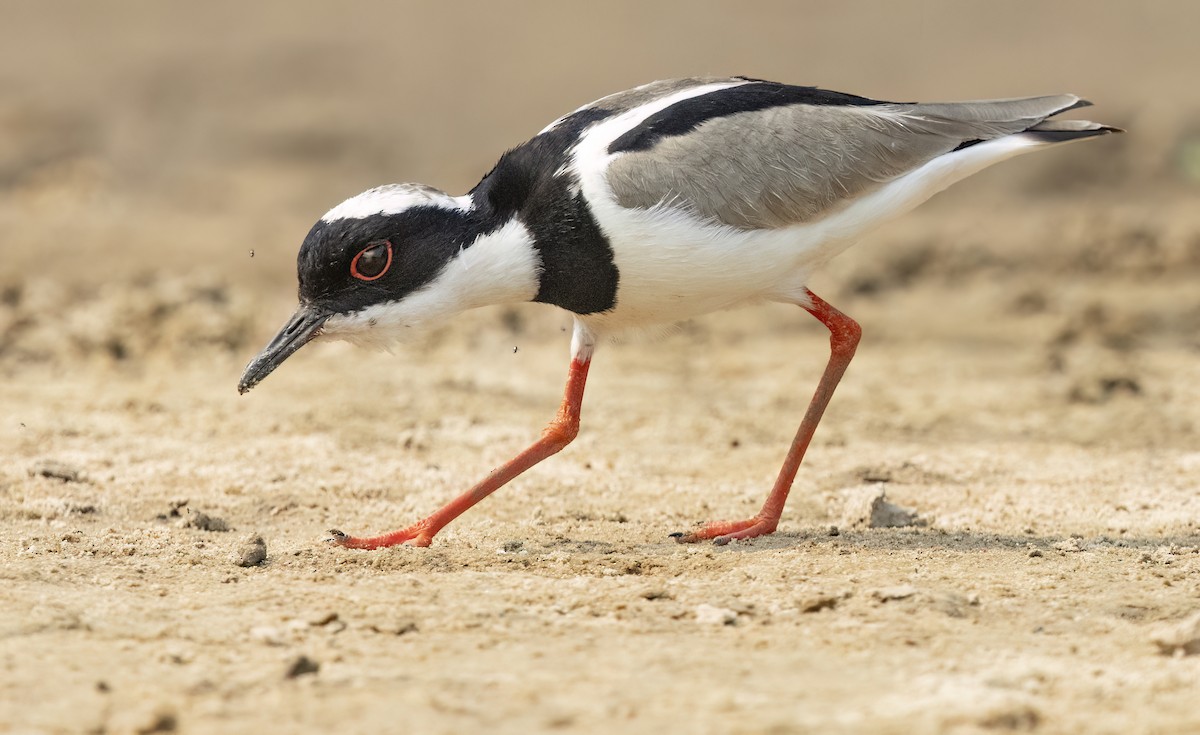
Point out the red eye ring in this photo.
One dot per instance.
(373, 246)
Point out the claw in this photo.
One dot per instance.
(414, 535)
(722, 532)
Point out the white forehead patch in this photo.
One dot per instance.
(393, 199)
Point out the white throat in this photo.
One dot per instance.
(500, 267)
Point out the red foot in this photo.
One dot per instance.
(411, 536)
(557, 435)
(722, 532)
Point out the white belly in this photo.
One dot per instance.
(672, 267)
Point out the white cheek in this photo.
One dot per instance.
(498, 268)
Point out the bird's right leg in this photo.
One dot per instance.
(844, 334)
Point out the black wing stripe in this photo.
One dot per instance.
(686, 115)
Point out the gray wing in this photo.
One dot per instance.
(791, 164)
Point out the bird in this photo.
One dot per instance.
(649, 207)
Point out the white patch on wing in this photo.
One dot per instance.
(591, 156)
(499, 267)
(393, 199)
(593, 103)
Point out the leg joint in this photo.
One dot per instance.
(844, 334)
(561, 432)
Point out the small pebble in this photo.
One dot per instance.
(161, 720)
(819, 602)
(300, 666)
(711, 615)
(1070, 545)
(252, 552)
(203, 522)
(267, 634)
(950, 603)
(898, 592)
(397, 628)
(56, 471)
(868, 506)
(1179, 639)
(324, 619)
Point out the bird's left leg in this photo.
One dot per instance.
(844, 334)
(557, 435)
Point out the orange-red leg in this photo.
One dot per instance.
(557, 435)
(844, 334)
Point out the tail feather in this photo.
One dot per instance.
(1002, 116)
(1061, 131)
(974, 122)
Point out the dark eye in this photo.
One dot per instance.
(372, 261)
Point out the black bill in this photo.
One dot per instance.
(301, 328)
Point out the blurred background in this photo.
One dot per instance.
(1030, 371)
(200, 131)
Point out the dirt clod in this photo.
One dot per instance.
(301, 666)
(57, 471)
(395, 627)
(818, 602)
(158, 721)
(324, 619)
(1069, 545)
(1179, 638)
(252, 552)
(896, 592)
(711, 615)
(867, 506)
(204, 522)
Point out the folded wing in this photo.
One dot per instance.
(788, 164)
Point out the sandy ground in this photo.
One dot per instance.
(1028, 385)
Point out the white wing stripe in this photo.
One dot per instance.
(590, 156)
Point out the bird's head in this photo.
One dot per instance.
(380, 265)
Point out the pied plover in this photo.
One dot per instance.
(650, 206)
